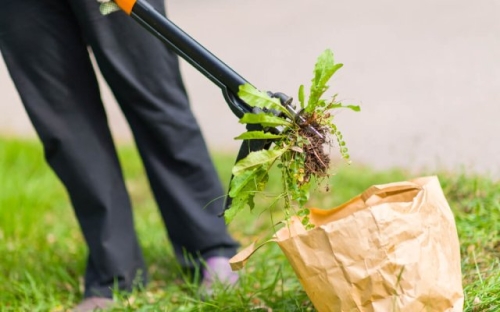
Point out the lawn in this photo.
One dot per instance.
(43, 254)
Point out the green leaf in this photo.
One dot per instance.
(243, 190)
(323, 70)
(258, 135)
(305, 221)
(255, 159)
(244, 197)
(237, 205)
(355, 108)
(238, 183)
(301, 96)
(302, 195)
(260, 99)
(262, 179)
(303, 212)
(264, 119)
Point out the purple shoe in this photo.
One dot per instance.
(217, 270)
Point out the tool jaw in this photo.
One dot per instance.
(297, 115)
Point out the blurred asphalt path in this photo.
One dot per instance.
(426, 74)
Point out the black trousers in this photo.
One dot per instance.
(45, 46)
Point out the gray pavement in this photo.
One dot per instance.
(426, 74)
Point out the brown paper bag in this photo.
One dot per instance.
(392, 248)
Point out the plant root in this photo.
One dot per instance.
(317, 162)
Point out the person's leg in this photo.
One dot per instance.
(43, 48)
(144, 76)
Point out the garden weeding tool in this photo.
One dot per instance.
(205, 62)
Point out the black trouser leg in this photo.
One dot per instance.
(144, 76)
(44, 51)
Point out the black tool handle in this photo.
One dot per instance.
(205, 62)
(194, 53)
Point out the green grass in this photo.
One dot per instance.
(42, 251)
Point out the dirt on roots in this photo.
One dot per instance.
(317, 161)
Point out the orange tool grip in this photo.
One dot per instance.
(126, 5)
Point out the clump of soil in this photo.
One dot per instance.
(317, 161)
